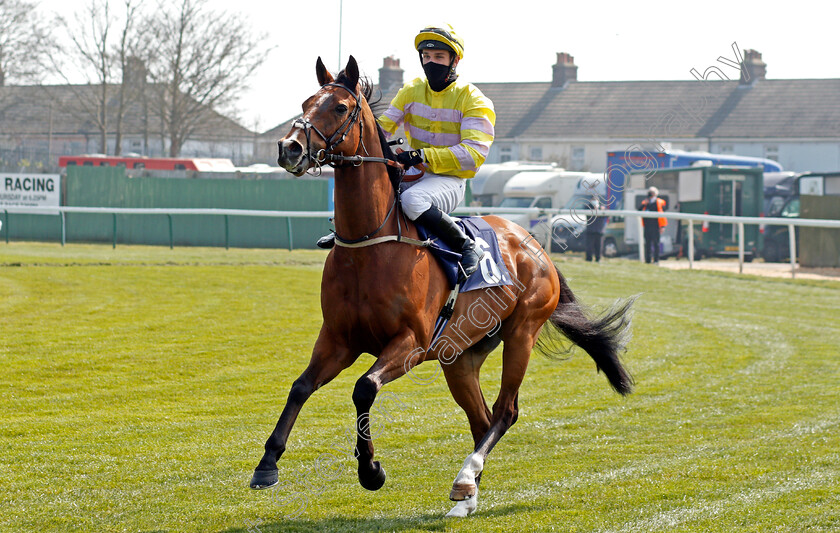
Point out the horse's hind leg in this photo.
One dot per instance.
(327, 361)
(515, 358)
(462, 377)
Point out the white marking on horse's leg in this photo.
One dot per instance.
(465, 486)
(473, 465)
(464, 508)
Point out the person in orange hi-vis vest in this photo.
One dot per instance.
(653, 226)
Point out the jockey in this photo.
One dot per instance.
(449, 125)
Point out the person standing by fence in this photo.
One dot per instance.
(653, 226)
(594, 233)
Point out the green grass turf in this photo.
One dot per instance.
(138, 387)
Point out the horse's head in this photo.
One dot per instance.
(328, 124)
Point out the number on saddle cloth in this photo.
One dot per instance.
(491, 272)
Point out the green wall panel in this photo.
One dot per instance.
(110, 187)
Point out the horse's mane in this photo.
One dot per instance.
(376, 105)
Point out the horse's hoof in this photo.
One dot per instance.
(372, 479)
(263, 479)
(462, 491)
(464, 508)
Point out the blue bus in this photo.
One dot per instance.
(621, 164)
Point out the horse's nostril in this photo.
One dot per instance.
(290, 148)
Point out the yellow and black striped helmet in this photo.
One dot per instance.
(441, 38)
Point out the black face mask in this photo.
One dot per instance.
(438, 76)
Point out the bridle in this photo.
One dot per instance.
(325, 156)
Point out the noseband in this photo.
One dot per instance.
(324, 155)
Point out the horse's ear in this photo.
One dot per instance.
(352, 73)
(324, 76)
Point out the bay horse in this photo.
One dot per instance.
(382, 295)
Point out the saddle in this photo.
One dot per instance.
(492, 271)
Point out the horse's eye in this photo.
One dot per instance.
(341, 109)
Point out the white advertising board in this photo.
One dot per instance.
(30, 190)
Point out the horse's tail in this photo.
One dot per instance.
(603, 337)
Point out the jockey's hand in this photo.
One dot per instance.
(410, 158)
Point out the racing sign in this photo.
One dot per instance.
(30, 190)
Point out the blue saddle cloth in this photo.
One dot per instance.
(491, 271)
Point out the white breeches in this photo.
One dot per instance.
(444, 192)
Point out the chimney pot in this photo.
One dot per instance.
(390, 75)
(564, 71)
(753, 68)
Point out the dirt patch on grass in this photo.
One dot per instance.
(778, 270)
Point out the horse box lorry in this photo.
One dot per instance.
(713, 190)
(783, 201)
(620, 165)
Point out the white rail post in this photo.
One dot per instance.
(740, 247)
(690, 244)
(792, 241)
(641, 239)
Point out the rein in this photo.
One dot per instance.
(369, 240)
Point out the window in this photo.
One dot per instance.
(180, 166)
(578, 157)
(543, 203)
(139, 165)
(792, 209)
(536, 153)
(726, 149)
(505, 154)
(516, 202)
(775, 205)
(771, 151)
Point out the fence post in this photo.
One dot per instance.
(114, 244)
(792, 241)
(227, 233)
(63, 229)
(171, 239)
(690, 244)
(740, 247)
(642, 239)
(289, 227)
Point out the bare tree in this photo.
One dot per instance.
(132, 69)
(103, 44)
(200, 64)
(25, 42)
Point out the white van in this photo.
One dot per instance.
(488, 185)
(566, 230)
(545, 190)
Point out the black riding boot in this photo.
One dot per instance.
(327, 241)
(444, 227)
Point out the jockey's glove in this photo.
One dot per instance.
(410, 158)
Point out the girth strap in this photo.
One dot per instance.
(386, 238)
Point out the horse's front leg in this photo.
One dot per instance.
(328, 359)
(398, 357)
